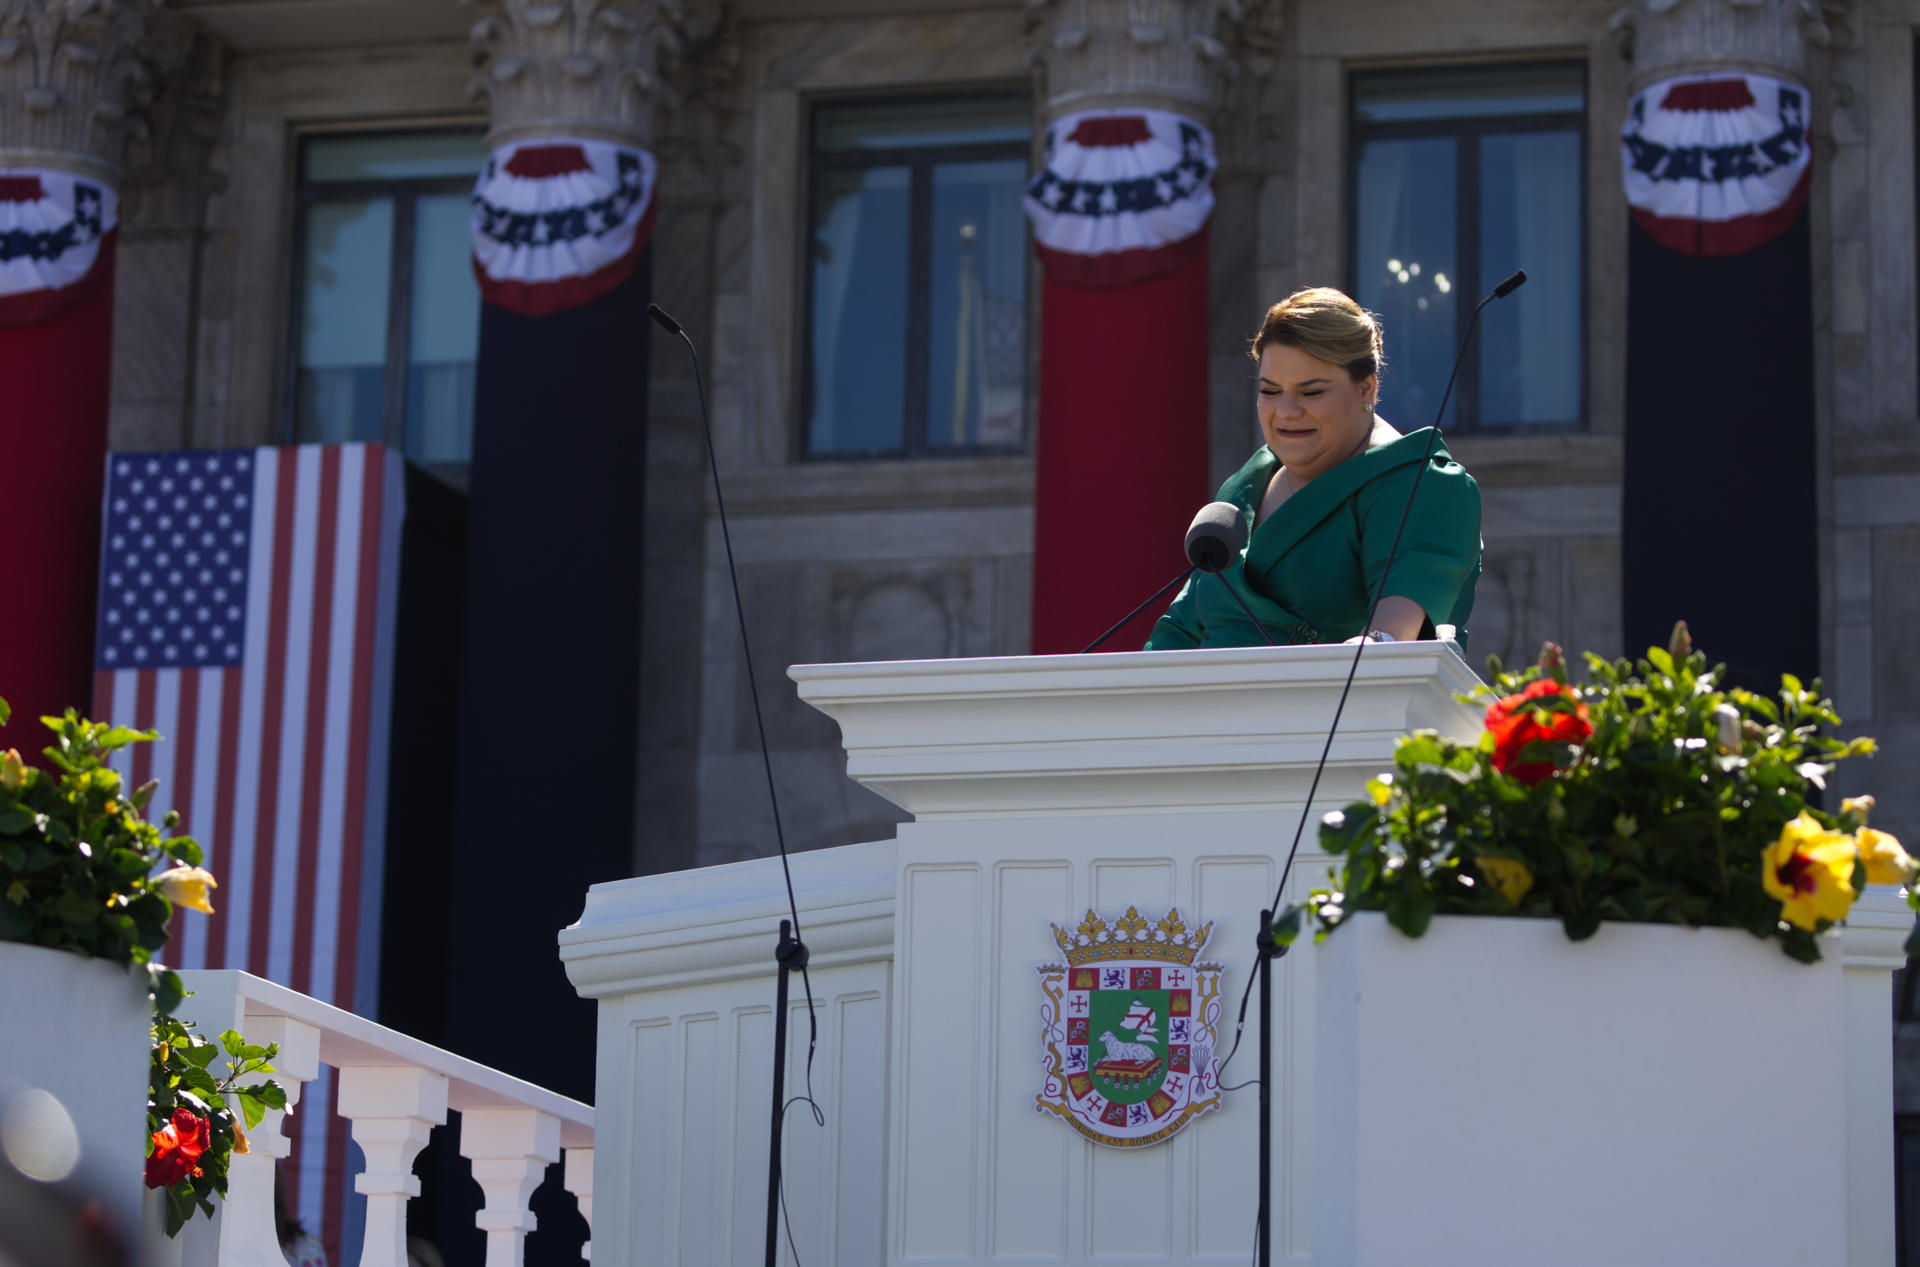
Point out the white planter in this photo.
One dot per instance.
(1495, 1094)
(80, 1029)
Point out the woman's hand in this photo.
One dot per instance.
(1399, 616)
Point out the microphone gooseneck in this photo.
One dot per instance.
(1267, 945)
(1505, 288)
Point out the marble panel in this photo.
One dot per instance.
(1592, 619)
(152, 298)
(1896, 624)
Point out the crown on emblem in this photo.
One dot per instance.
(1132, 937)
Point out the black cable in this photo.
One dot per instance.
(1505, 288)
(667, 323)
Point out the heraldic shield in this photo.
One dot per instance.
(1130, 1026)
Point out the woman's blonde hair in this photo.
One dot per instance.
(1325, 324)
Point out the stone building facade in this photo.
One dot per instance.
(888, 558)
(203, 107)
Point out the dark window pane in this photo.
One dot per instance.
(394, 156)
(445, 332)
(1404, 246)
(859, 320)
(918, 125)
(340, 387)
(1530, 364)
(977, 316)
(1468, 93)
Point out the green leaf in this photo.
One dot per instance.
(1581, 925)
(15, 821)
(5, 712)
(233, 1042)
(186, 851)
(164, 985)
(1340, 829)
(1410, 912)
(252, 1110)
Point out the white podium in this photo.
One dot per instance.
(1040, 787)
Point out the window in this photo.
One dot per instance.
(1459, 177)
(917, 279)
(386, 311)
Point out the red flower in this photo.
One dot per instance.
(1518, 720)
(176, 1149)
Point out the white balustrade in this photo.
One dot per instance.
(393, 1090)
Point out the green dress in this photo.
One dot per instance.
(1310, 569)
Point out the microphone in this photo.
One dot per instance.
(1217, 536)
(791, 953)
(665, 322)
(1510, 285)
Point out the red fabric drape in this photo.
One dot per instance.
(53, 443)
(1123, 450)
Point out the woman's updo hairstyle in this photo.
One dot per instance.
(1326, 325)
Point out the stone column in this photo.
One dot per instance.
(1717, 163)
(1121, 215)
(74, 77)
(550, 667)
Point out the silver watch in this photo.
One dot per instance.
(1380, 635)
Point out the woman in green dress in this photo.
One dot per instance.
(1323, 498)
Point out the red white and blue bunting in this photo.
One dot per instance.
(56, 229)
(1717, 164)
(559, 222)
(1124, 195)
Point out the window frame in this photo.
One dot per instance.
(919, 162)
(404, 191)
(1466, 397)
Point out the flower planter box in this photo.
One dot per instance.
(80, 1029)
(1495, 1094)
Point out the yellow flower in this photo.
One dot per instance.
(187, 886)
(1887, 862)
(1509, 877)
(1810, 869)
(13, 771)
(1857, 807)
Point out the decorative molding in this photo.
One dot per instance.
(596, 68)
(75, 77)
(1180, 55)
(1673, 37)
(169, 164)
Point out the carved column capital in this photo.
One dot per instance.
(169, 167)
(74, 78)
(593, 68)
(1675, 37)
(1175, 55)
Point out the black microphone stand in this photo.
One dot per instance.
(1266, 949)
(790, 954)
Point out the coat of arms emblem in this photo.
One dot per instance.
(1130, 1025)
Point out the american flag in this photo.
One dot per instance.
(247, 603)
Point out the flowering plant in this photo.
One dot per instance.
(1647, 793)
(82, 869)
(77, 859)
(190, 1112)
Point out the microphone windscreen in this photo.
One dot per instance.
(1218, 535)
(1510, 285)
(665, 322)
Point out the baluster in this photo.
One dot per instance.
(248, 1235)
(510, 1150)
(578, 1178)
(394, 1109)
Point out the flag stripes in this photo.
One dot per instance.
(268, 756)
